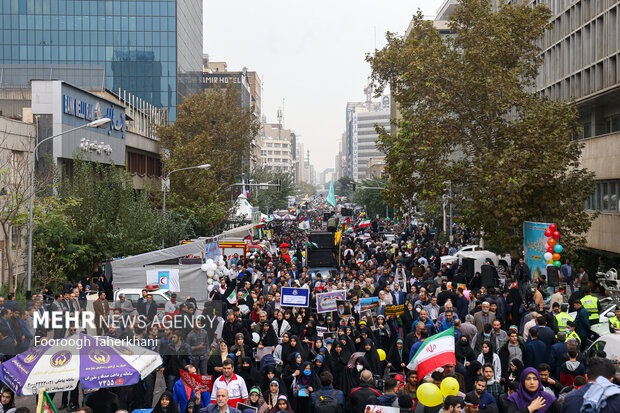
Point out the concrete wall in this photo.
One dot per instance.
(601, 155)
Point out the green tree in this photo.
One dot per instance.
(344, 186)
(210, 128)
(270, 198)
(370, 197)
(469, 116)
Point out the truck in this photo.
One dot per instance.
(322, 253)
(243, 247)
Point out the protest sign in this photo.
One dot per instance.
(294, 297)
(197, 382)
(326, 302)
(394, 310)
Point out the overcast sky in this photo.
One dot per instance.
(311, 54)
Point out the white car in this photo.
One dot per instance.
(609, 343)
(160, 297)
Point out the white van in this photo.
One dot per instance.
(160, 297)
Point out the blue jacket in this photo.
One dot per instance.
(582, 323)
(429, 325)
(486, 399)
(325, 391)
(557, 350)
(180, 396)
(574, 400)
(462, 306)
(535, 353)
(415, 348)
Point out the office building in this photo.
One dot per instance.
(276, 151)
(150, 48)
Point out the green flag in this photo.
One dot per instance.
(331, 197)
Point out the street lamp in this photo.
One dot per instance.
(166, 182)
(99, 123)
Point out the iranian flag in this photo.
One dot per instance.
(435, 352)
(364, 223)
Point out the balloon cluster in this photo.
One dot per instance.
(430, 395)
(216, 270)
(553, 247)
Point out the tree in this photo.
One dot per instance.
(210, 128)
(470, 116)
(270, 198)
(344, 186)
(370, 197)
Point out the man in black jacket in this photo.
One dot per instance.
(232, 326)
(177, 355)
(363, 395)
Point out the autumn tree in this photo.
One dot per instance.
(212, 128)
(469, 116)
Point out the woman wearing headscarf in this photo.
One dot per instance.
(308, 335)
(464, 353)
(488, 357)
(397, 357)
(297, 326)
(372, 357)
(255, 399)
(530, 397)
(280, 324)
(240, 349)
(8, 400)
(248, 372)
(514, 301)
(352, 374)
(384, 337)
(282, 405)
(514, 370)
(473, 370)
(214, 365)
(291, 371)
(303, 385)
(319, 365)
(273, 392)
(282, 350)
(267, 376)
(166, 404)
(316, 348)
(268, 337)
(294, 346)
(339, 357)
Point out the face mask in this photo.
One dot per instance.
(359, 367)
(568, 331)
(487, 334)
(307, 372)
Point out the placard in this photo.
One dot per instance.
(326, 302)
(373, 408)
(369, 302)
(167, 279)
(394, 310)
(343, 309)
(197, 382)
(294, 297)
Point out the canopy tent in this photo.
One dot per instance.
(131, 272)
(242, 211)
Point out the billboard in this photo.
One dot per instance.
(534, 241)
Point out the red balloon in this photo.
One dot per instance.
(556, 234)
(549, 249)
(553, 227)
(548, 233)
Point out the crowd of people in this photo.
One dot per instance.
(517, 349)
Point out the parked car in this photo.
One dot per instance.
(501, 262)
(160, 297)
(609, 343)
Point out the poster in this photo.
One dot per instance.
(197, 382)
(534, 241)
(372, 408)
(394, 310)
(212, 250)
(326, 302)
(294, 297)
(370, 302)
(167, 279)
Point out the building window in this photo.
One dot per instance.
(269, 144)
(606, 197)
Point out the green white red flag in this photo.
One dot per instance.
(435, 352)
(364, 223)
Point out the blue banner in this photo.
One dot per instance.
(534, 241)
(295, 297)
(212, 251)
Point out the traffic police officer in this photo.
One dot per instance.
(590, 303)
(614, 322)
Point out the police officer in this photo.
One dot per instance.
(590, 303)
(563, 317)
(614, 322)
(570, 331)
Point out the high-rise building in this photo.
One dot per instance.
(276, 151)
(361, 136)
(150, 48)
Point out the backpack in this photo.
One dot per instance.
(327, 403)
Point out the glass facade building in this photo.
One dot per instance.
(148, 48)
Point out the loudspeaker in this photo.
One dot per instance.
(488, 276)
(323, 239)
(468, 268)
(322, 257)
(553, 276)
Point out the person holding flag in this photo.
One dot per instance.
(435, 352)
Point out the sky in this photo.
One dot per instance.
(310, 56)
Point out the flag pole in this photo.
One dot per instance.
(40, 401)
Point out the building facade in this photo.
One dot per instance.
(276, 149)
(150, 48)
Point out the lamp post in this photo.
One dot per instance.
(166, 181)
(99, 123)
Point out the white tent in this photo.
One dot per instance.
(242, 211)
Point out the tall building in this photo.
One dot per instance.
(150, 48)
(361, 136)
(276, 149)
(216, 74)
